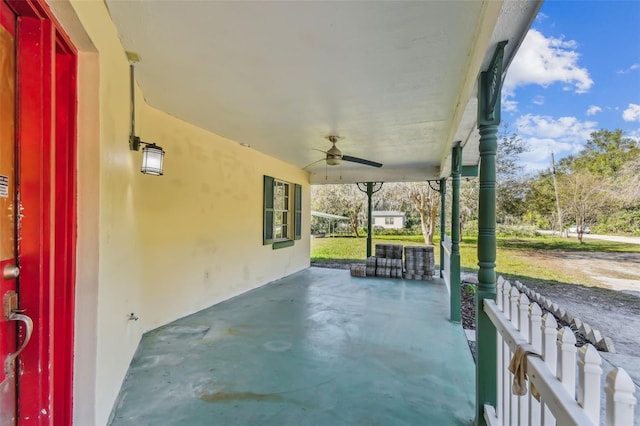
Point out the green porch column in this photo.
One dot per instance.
(369, 218)
(369, 188)
(456, 170)
(443, 221)
(489, 88)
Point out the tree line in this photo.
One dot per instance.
(597, 188)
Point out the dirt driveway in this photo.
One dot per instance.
(617, 271)
(613, 306)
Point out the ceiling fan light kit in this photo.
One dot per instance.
(333, 160)
(334, 156)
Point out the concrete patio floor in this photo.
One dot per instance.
(318, 347)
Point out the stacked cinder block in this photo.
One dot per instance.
(389, 251)
(419, 262)
(389, 260)
(371, 266)
(387, 263)
(358, 270)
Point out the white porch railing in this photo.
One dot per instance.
(446, 249)
(551, 370)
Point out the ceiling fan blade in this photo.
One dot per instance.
(315, 162)
(361, 161)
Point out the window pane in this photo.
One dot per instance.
(277, 197)
(281, 219)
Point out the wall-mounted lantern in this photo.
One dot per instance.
(152, 154)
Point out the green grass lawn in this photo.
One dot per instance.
(516, 257)
(351, 249)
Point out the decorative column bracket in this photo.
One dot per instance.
(490, 88)
(369, 188)
(435, 182)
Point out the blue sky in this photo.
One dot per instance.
(577, 71)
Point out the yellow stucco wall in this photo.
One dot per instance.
(166, 246)
(202, 228)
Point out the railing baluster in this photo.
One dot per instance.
(566, 372)
(589, 373)
(549, 354)
(499, 356)
(620, 399)
(506, 290)
(514, 415)
(523, 313)
(513, 305)
(506, 356)
(535, 338)
(535, 326)
(523, 327)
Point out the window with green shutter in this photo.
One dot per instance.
(282, 213)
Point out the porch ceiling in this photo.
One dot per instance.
(396, 79)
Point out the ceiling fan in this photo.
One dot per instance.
(334, 156)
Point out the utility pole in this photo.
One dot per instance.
(555, 188)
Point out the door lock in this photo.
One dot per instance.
(10, 272)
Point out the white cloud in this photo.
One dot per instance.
(565, 128)
(632, 113)
(544, 134)
(545, 61)
(538, 156)
(593, 110)
(541, 17)
(538, 100)
(628, 70)
(509, 105)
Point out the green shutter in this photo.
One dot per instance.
(297, 221)
(267, 223)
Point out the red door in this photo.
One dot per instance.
(37, 216)
(10, 349)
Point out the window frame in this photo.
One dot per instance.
(283, 209)
(292, 207)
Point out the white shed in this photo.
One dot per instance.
(389, 219)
